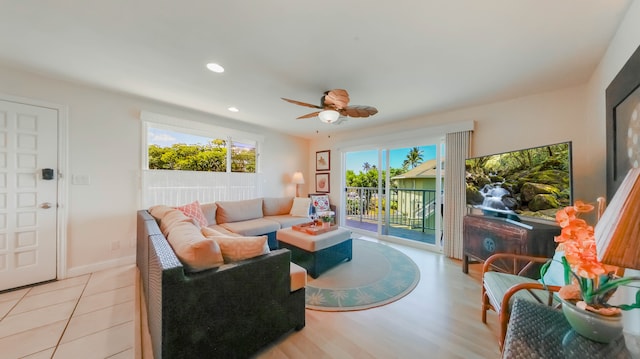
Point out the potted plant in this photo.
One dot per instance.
(326, 217)
(589, 284)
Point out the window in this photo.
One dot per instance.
(177, 150)
(185, 161)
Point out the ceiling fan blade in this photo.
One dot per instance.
(337, 98)
(358, 111)
(301, 103)
(309, 115)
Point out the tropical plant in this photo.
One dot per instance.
(414, 158)
(588, 282)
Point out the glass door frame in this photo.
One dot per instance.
(384, 151)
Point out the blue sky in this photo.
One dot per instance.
(166, 138)
(355, 160)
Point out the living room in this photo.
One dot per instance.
(102, 133)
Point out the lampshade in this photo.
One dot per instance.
(297, 178)
(328, 116)
(618, 231)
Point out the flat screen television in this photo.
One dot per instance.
(532, 183)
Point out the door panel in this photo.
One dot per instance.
(28, 210)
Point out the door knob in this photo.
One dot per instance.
(45, 205)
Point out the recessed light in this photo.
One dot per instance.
(233, 109)
(215, 67)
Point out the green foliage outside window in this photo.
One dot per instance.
(210, 157)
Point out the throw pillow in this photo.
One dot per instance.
(209, 211)
(194, 211)
(276, 206)
(194, 250)
(240, 248)
(300, 207)
(171, 218)
(236, 211)
(210, 232)
(555, 272)
(321, 202)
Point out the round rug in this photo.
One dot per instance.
(377, 275)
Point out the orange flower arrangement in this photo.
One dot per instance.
(593, 282)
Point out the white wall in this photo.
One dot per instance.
(530, 121)
(104, 143)
(624, 43)
(576, 114)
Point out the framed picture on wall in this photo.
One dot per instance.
(623, 123)
(323, 160)
(322, 182)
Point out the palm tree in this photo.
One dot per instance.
(414, 158)
(366, 166)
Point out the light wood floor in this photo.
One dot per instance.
(440, 318)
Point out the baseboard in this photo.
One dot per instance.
(96, 267)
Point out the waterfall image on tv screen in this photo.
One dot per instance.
(534, 182)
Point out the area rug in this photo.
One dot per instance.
(377, 275)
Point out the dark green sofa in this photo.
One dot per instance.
(228, 312)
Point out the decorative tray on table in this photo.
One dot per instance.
(313, 229)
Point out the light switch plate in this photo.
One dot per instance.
(81, 179)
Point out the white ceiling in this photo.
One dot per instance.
(405, 57)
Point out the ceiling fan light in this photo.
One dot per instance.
(328, 116)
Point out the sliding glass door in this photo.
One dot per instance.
(395, 192)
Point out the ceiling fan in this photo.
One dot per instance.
(333, 104)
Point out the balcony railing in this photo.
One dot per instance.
(410, 208)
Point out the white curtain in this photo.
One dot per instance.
(456, 152)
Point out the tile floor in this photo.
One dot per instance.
(91, 316)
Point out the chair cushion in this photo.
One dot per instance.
(496, 285)
(555, 272)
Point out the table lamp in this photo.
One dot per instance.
(297, 179)
(618, 230)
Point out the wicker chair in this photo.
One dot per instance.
(499, 289)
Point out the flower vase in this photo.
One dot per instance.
(326, 224)
(597, 327)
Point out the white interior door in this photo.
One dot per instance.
(28, 200)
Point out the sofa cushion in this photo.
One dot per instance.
(321, 202)
(167, 217)
(194, 211)
(252, 227)
(209, 211)
(287, 221)
(300, 207)
(298, 277)
(240, 248)
(217, 230)
(236, 211)
(193, 249)
(274, 206)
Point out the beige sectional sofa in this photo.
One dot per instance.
(210, 292)
(256, 217)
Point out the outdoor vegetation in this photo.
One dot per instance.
(210, 157)
(367, 178)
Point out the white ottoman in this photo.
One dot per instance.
(317, 253)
